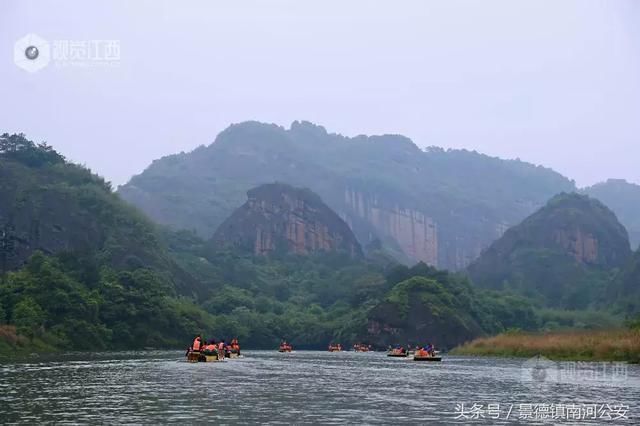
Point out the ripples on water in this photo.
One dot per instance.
(300, 387)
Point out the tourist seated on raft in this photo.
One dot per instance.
(235, 346)
(429, 349)
(211, 348)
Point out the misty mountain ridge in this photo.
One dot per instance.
(434, 205)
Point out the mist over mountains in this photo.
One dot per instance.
(436, 206)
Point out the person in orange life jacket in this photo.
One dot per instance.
(197, 343)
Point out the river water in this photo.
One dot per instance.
(307, 387)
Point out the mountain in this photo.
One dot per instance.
(440, 207)
(52, 206)
(82, 269)
(624, 199)
(562, 256)
(278, 218)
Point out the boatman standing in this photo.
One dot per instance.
(197, 344)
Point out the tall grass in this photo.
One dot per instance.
(600, 345)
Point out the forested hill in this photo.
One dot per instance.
(564, 255)
(440, 207)
(80, 267)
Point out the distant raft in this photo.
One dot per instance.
(335, 347)
(398, 353)
(422, 355)
(361, 347)
(285, 347)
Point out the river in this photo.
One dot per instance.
(306, 387)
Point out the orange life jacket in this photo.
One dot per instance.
(210, 347)
(196, 344)
(221, 345)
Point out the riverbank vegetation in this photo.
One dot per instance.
(622, 344)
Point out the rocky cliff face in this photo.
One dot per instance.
(278, 218)
(562, 255)
(582, 246)
(412, 231)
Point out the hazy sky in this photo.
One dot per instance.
(553, 82)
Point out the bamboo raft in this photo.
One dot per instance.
(397, 353)
(197, 356)
(426, 356)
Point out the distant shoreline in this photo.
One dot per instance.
(584, 345)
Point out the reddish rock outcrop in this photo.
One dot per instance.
(279, 218)
(583, 246)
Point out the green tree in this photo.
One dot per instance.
(28, 317)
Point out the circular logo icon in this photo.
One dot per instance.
(539, 371)
(32, 53)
